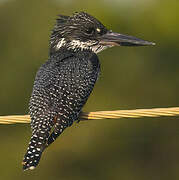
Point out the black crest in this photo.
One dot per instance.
(80, 26)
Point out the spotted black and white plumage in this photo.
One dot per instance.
(61, 88)
(64, 83)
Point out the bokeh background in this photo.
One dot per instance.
(139, 77)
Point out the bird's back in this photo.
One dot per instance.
(65, 80)
(62, 87)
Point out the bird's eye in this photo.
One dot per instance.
(90, 31)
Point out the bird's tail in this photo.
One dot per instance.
(34, 152)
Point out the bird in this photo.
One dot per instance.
(64, 82)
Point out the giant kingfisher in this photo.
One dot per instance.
(64, 82)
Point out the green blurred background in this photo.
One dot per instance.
(140, 77)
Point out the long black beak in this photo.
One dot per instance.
(116, 39)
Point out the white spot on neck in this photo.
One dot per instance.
(77, 44)
(61, 43)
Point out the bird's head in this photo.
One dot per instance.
(82, 31)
